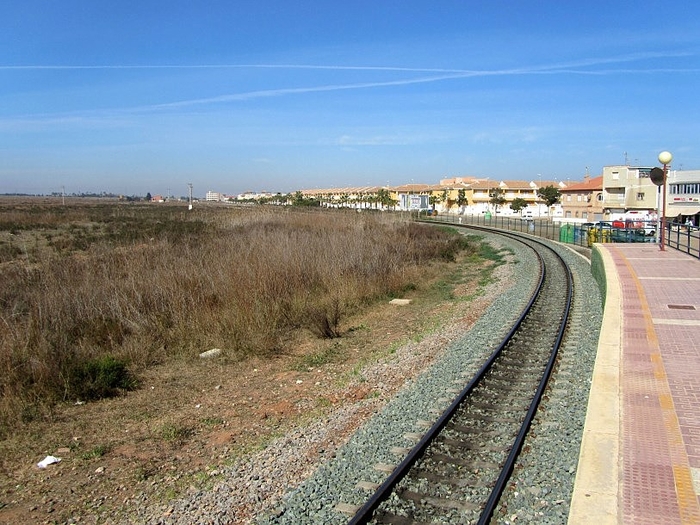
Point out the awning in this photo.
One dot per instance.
(673, 209)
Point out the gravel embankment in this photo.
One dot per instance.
(543, 479)
(319, 466)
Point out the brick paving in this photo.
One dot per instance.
(658, 481)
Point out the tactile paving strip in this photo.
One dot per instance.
(657, 485)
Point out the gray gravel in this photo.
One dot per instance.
(543, 479)
(545, 475)
(287, 484)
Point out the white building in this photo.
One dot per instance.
(683, 195)
(214, 196)
(253, 195)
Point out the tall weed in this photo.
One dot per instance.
(239, 280)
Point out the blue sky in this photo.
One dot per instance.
(141, 96)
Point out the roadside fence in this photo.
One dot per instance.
(681, 237)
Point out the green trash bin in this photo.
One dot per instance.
(487, 216)
(566, 233)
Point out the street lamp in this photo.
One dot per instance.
(658, 177)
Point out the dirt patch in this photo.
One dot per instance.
(192, 417)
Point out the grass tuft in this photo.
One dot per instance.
(99, 378)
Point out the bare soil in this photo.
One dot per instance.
(190, 417)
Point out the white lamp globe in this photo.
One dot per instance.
(665, 157)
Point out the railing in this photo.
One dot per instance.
(683, 238)
(680, 237)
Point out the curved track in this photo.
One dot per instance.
(459, 467)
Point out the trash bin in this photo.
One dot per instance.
(566, 233)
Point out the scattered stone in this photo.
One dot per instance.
(400, 302)
(210, 353)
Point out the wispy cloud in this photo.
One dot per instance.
(312, 89)
(446, 74)
(84, 120)
(379, 140)
(577, 63)
(584, 66)
(508, 135)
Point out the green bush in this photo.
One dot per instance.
(99, 378)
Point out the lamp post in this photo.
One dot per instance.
(658, 177)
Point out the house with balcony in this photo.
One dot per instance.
(475, 196)
(583, 202)
(483, 191)
(628, 188)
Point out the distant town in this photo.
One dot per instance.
(620, 191)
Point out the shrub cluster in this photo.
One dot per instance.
(240, 280)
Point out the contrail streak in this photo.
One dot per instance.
(578, 63)
(585, 66)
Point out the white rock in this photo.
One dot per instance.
(210, 353)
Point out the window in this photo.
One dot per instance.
(689, 188)
(640, 196)
(615, 175)
(599, 197)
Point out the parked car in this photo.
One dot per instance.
(629, 235)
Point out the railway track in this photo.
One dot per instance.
(459, 467)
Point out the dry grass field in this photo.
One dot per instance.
(105, 308)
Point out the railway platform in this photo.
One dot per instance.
(640, 454)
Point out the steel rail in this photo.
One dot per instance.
(365, 513)
(507, 470)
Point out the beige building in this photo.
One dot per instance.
(482, 192)
(444, 197)
(627, 188)
(584, 200)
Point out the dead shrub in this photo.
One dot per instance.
(228, 278)
(324, 319)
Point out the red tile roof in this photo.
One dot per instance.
(594, 184)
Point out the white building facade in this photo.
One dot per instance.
(214, 196)
(683, 195)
